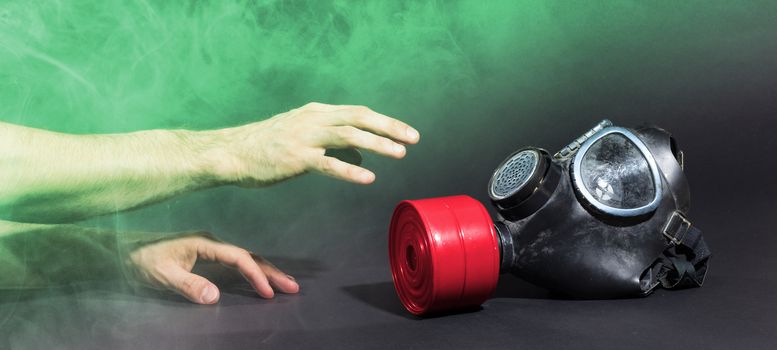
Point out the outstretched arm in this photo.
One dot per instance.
(48, 177)
(52, 177)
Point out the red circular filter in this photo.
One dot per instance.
(444, 254)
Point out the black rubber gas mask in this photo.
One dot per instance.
(605, 217)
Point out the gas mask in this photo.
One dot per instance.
(605, 217)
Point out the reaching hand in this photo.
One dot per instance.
(168, 264)
(295, 142)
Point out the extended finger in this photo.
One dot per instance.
(241, 260)
(349, 136)
(367, 119)
(280, 280)
(193, 287)
(341, 170)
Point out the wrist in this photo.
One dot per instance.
(207, 156)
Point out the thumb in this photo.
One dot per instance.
(193, 287)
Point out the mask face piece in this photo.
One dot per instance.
(605, 217)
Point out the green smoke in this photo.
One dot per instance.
(477, 78)
(109, 66)
(116, 65)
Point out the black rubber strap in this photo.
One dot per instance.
(682, 264)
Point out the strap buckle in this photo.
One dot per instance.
(676, 227)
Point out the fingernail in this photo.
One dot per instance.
(291, 277)
(366, 176)
(209, 295)
(399, 149)
(412, 134)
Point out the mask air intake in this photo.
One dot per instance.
(514, 174)
(523, 183)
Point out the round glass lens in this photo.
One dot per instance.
(617, 174)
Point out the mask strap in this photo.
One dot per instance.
(684, 263)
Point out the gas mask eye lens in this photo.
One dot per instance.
(617, 174)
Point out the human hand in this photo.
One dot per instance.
(295, 142)
(168, 264)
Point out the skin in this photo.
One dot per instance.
(168, 265)
(53, 178)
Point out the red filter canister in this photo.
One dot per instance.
(444, 254)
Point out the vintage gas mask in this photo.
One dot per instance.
(605, 217)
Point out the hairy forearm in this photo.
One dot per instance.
(49, 177)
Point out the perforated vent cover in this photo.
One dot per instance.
(514, 174)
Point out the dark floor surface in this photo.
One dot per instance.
(348, 301)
